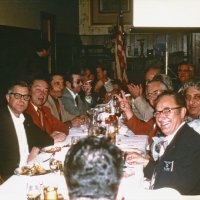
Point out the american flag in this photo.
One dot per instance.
(120, 57)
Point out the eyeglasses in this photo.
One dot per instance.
(154, 94)
(166, 111)
(184, 71)
(25, 97)
(195, 98)
(79, 81)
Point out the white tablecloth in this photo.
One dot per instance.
(15, 188)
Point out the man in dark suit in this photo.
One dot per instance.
(75, 102)
(20, 139)
(178, 165)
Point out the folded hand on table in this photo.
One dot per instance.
(58, 136)
(79, 120)
(135, 158)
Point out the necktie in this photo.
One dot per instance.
(41, 117)
(76, 100)
(58, 108)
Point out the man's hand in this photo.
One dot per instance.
(34, 152)
(135, 158)
(58, 136)
(124, 105)
(78, 121)
(98, 86)
(135, 90)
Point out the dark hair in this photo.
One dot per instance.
(102, 66)
(186, 63)
(93, 168)
(50, 78)
(178, 97)
(68, 76)
(155, 64)
(17, 83)
(37, 78)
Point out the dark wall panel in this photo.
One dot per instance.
(14, 43)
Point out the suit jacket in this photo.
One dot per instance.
(142, 109)
(66, 116)
(140, 127)
(179, 167)
(9, 147)
(70, 106)
(50, 122)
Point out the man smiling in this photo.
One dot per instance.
(19, 137)
(178, 165)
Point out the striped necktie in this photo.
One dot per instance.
(41, 117)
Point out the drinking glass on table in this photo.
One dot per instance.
(33, 192)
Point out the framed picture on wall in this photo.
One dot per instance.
(105, 12)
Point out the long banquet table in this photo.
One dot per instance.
(15, 188)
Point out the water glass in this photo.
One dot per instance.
(33, 192)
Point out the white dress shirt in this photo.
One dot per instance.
(21, 136)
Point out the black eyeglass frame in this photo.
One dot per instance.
(16, 95)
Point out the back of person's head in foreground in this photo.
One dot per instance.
(93, 169)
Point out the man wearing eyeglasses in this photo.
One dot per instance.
(77, 97)
(20, 139)
(154, 88)
(178, 166)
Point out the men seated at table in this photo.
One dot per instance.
(77, 97)
(179, 152)
(191, 92)
(154, 88)
(56, 83)
(93, 169)
(20, 138)
(41, 114)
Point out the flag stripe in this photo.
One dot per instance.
(120, 59)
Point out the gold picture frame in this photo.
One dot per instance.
(105, 12)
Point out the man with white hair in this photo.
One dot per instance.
(191, 91)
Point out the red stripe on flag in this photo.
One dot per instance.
(120, 59)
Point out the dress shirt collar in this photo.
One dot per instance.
(72, 93)
(21, 116)
(189, 119)
(35, 107)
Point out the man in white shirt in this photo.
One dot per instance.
(20, 139)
